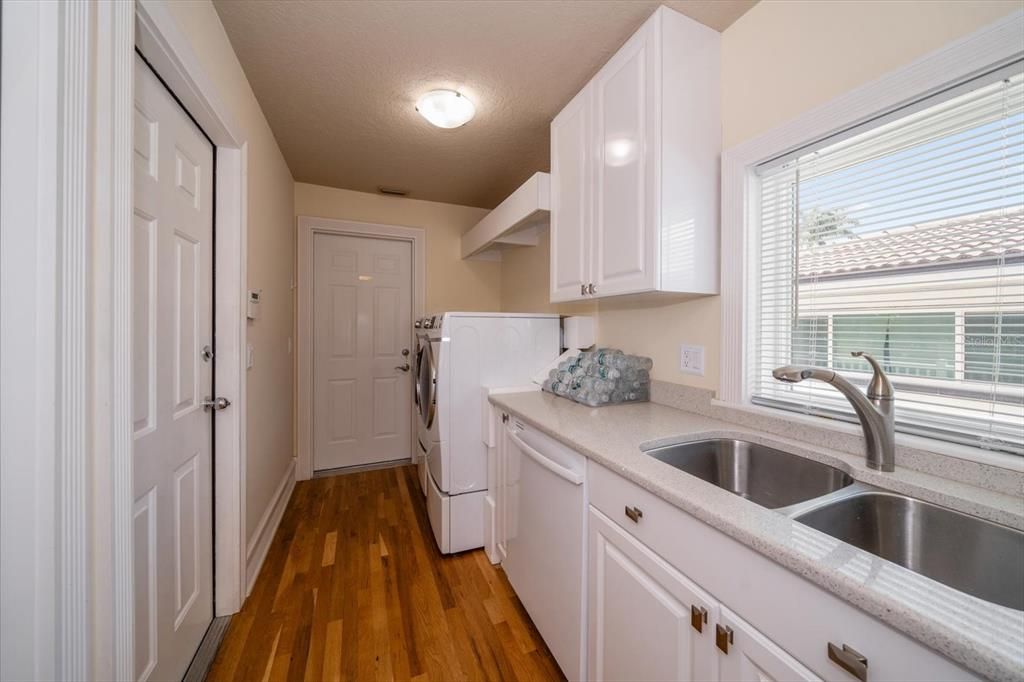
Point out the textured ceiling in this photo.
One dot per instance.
(338, 80)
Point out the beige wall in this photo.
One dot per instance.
(779, 60)
(525, 274)
(452, 283)
(269, 262)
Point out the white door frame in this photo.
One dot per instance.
(170, 53)
(67, 213)
(307, 227)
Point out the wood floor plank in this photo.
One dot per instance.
(354, 588)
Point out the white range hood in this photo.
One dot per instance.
(515, 222)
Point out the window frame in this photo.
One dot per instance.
(991, 48)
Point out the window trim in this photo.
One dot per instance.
(980, 52)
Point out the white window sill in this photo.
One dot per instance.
(905, 440)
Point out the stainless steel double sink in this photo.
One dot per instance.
(972, 555)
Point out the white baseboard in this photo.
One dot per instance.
(259, 543)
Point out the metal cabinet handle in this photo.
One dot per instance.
(850, 660)
(698, 616)
(402, 368)
(591, 289)
(634, 514)
(583, 290)
(723, 637)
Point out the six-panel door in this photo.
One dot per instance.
(172, 290)
(641, 612)
(362, 340)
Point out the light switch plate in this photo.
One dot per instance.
(691, 359)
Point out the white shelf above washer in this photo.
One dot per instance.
(515, 222)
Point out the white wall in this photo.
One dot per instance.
(269, 414)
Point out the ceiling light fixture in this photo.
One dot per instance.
(445, 108)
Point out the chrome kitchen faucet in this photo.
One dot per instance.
(876, 410)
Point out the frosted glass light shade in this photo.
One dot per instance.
(445, 108)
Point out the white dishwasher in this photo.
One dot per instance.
(545, 494)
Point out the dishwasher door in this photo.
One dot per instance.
(546, 540)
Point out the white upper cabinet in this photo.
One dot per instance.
(570, 198)
(635, 167)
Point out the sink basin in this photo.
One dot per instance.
(983, 559)
(771, 478)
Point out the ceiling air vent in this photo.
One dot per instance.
(392, 191)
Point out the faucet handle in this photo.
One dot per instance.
(879, 386)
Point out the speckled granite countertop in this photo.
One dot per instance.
(985, 638)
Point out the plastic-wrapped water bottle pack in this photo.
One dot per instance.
(606, 376)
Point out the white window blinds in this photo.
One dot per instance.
(904, 240)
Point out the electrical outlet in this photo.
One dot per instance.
(691, 359)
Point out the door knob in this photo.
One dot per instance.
(405, 352)
(215, 404)
(403, 368)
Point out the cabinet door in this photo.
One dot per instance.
(640, 613)
(751, 656)
(625, 140)
(571, 177)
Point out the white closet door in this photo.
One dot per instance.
(173, 292)
(362, 325)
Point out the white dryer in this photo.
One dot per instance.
(457, 355)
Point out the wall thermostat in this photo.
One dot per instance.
(253, 305)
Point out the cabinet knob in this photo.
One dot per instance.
(634, 514)
(723, 637)
(591, 289)
(698, 616)
(850, 660)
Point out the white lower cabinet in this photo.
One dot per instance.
(647, 620)
(669, 597)
(745, 655)
(650, 622)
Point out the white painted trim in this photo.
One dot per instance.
(170, 52)
(29, 172)
(956, 61)
(307, 226)
(74, 221)
(112, 442)
(259, 543)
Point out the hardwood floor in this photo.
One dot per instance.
(354, 588)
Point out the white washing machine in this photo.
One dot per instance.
(456, 355)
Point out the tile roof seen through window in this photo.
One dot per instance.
(954, 243)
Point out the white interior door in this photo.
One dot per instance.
(362, 333)
(173, 294)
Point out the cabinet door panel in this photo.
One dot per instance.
(625, 140)
(752, 657)
(571, 177)
(640, 613)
